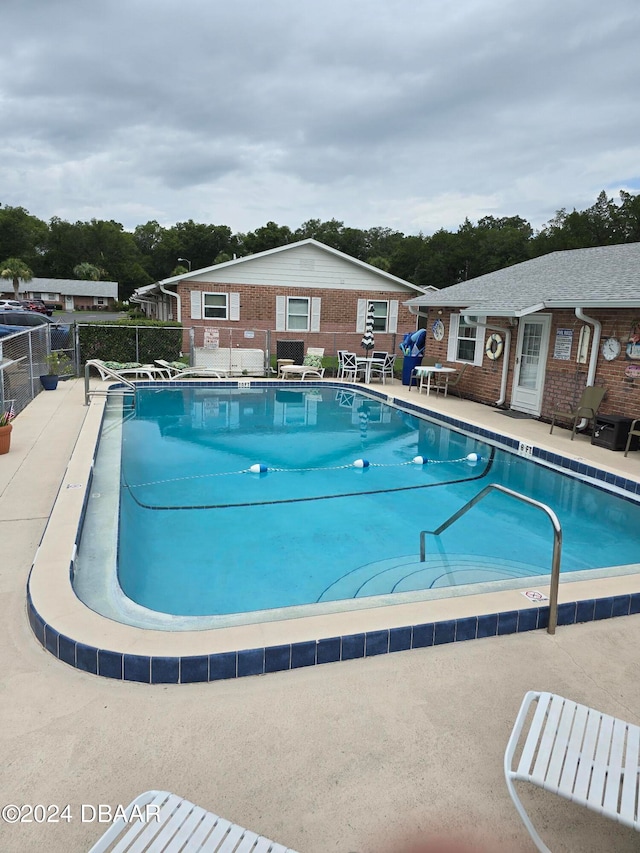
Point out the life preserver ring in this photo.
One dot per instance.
(494, 347)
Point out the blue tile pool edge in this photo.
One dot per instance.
(236, 664)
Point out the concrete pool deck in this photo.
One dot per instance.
(338, 757)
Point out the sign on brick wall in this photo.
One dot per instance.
(564, 341)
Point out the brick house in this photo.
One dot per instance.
(70, 294)
(556, 324)
(302, 290)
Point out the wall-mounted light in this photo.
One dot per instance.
(439, 310)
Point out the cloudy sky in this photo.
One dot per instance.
(409, 114)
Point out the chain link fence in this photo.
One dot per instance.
(141, 344)
(23, 354)
(22, 362)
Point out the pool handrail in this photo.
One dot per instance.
(557, 540)
(106, 370)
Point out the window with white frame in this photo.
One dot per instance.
(297, 314)
(214, 306)
(380, 315)
(465, 340)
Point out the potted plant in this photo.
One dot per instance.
(5, 429)
(58, 365)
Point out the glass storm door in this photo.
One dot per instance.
(531, 360)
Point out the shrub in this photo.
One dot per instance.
(127, 340)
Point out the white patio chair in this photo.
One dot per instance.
(158, 821)
(583, 755)
(383, 369)
(347, 367)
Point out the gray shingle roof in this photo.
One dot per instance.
(71, 287)
(606, 276)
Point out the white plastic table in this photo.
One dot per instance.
(429, 369)
(367, 363)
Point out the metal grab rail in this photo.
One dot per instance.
(113, 373)
(557, 540)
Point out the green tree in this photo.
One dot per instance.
(269, 236)
(15, 270)
(382, 242)
(64, 248)
(603, 224)
(629, 216)
(380, 262)
(409, 258)
(22, 236)
(201, 242)
(88, 272)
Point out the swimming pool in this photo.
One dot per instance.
(194, 532)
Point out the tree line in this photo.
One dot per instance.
(104, 249)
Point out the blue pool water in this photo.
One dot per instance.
(199, 534)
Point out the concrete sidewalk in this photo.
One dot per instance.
(342, 757)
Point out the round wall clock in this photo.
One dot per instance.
(611, 348)
(438, 330)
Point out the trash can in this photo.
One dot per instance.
(408, 363)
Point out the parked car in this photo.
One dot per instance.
(11, 305)
(9, 330)
(36, 305)
(60, 333)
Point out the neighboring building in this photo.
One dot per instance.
(302, 290)
(68, 294)
(564, 320)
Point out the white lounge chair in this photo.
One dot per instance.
(583, 755)
(303, 370)
(159, 821)
(184, 372)
(201, 372)
(141, 371)
(171, 368)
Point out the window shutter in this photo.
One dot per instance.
(315, 314)
(452, 342)
(392, 325)
(281, 313)
(234, 306)
(196, 305)
(362, 314)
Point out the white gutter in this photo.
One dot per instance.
(472, 321)
(176, 297)
(415, 310)
(595, 346)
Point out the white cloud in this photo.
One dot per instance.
(412, 116)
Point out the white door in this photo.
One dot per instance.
(531, 360)
(68, 303)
